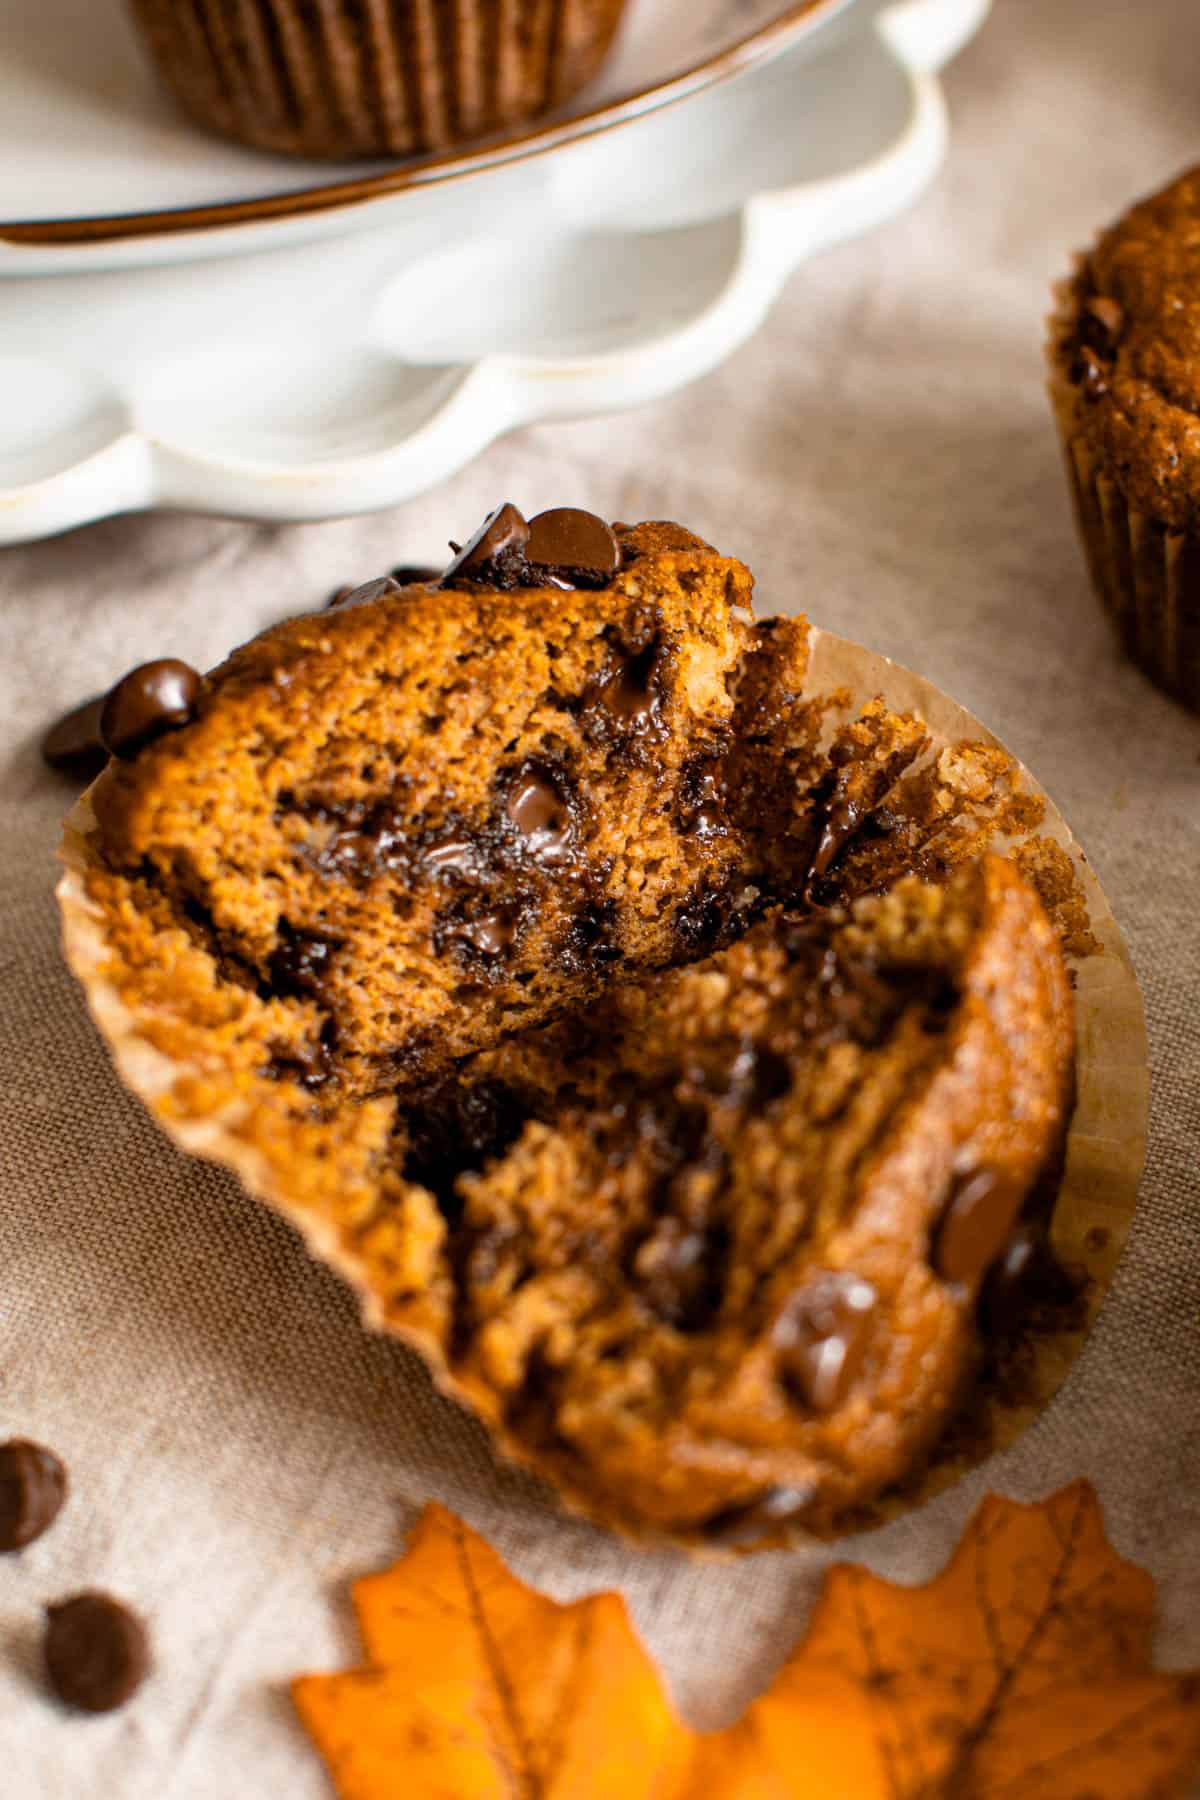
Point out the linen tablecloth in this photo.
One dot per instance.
(881, 454)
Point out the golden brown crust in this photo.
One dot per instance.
(1126, 342)
(335, 1083)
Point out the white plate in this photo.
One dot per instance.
(329, 379)
(120, 161)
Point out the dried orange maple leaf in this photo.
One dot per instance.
(1021, 1673)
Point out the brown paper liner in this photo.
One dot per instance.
(350, 78)
(1146, 575)
(1092, 1212)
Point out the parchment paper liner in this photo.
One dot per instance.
(1145, 574)
(373, 77)
(1104, 1155)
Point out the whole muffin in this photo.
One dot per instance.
(373, 77)
(1125, 384)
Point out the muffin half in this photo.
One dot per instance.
(665, 1061)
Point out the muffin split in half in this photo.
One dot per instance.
(668, 1068)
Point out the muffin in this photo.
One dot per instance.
(670, 1063)
(1124, 357)
(373, 77)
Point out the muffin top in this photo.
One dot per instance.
(1128, 340)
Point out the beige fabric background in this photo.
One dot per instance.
(882, 456)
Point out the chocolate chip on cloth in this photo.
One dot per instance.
(470, 926)
(73, 746)
(33, 1486)
(97, 1652)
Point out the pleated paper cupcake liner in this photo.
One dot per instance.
(1146, 575)
(351, 78)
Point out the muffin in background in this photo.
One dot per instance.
(352, 78)
(1124, 354)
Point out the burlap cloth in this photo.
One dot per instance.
(883, 456)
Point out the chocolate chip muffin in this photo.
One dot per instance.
(373, 77)
(1125, 384)
(659, 1053)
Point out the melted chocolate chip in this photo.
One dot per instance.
(456, 1130)
(590, 937)
(299, 963)
(492, 934)
(540, 813)
(455, 854)
(33, 1486)
(841, 822)
(366, 594)
(822, 1336)
(737, 1526)
(575, 546)
(503, 535)
(1026, 1285)
(154, 698)
(974, 1226)
(307, 1064)
(73, 746)
(701, 921)
(702, 800)
(97, 1652)
(416, 575)
(630, 694)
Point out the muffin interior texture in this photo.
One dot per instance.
(654, 1047)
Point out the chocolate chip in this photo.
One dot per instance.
(454, 1130)
(307, 1064)
(629, 694)
(1013, 1280)
(700, 922)
(73, 745)
(1027, 1286)
(840, 824)
(576, 546)
(974, 1226)
(298, 962)
(492, 934)
(366, 594)
(822, 1335)
(97, 1652)
(416, 575)
(589, 938)
(152, 699)
(736, 1526)
(33, 1486)
(502, 533)
(455, 854)
(541, 815)
(702, 800)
